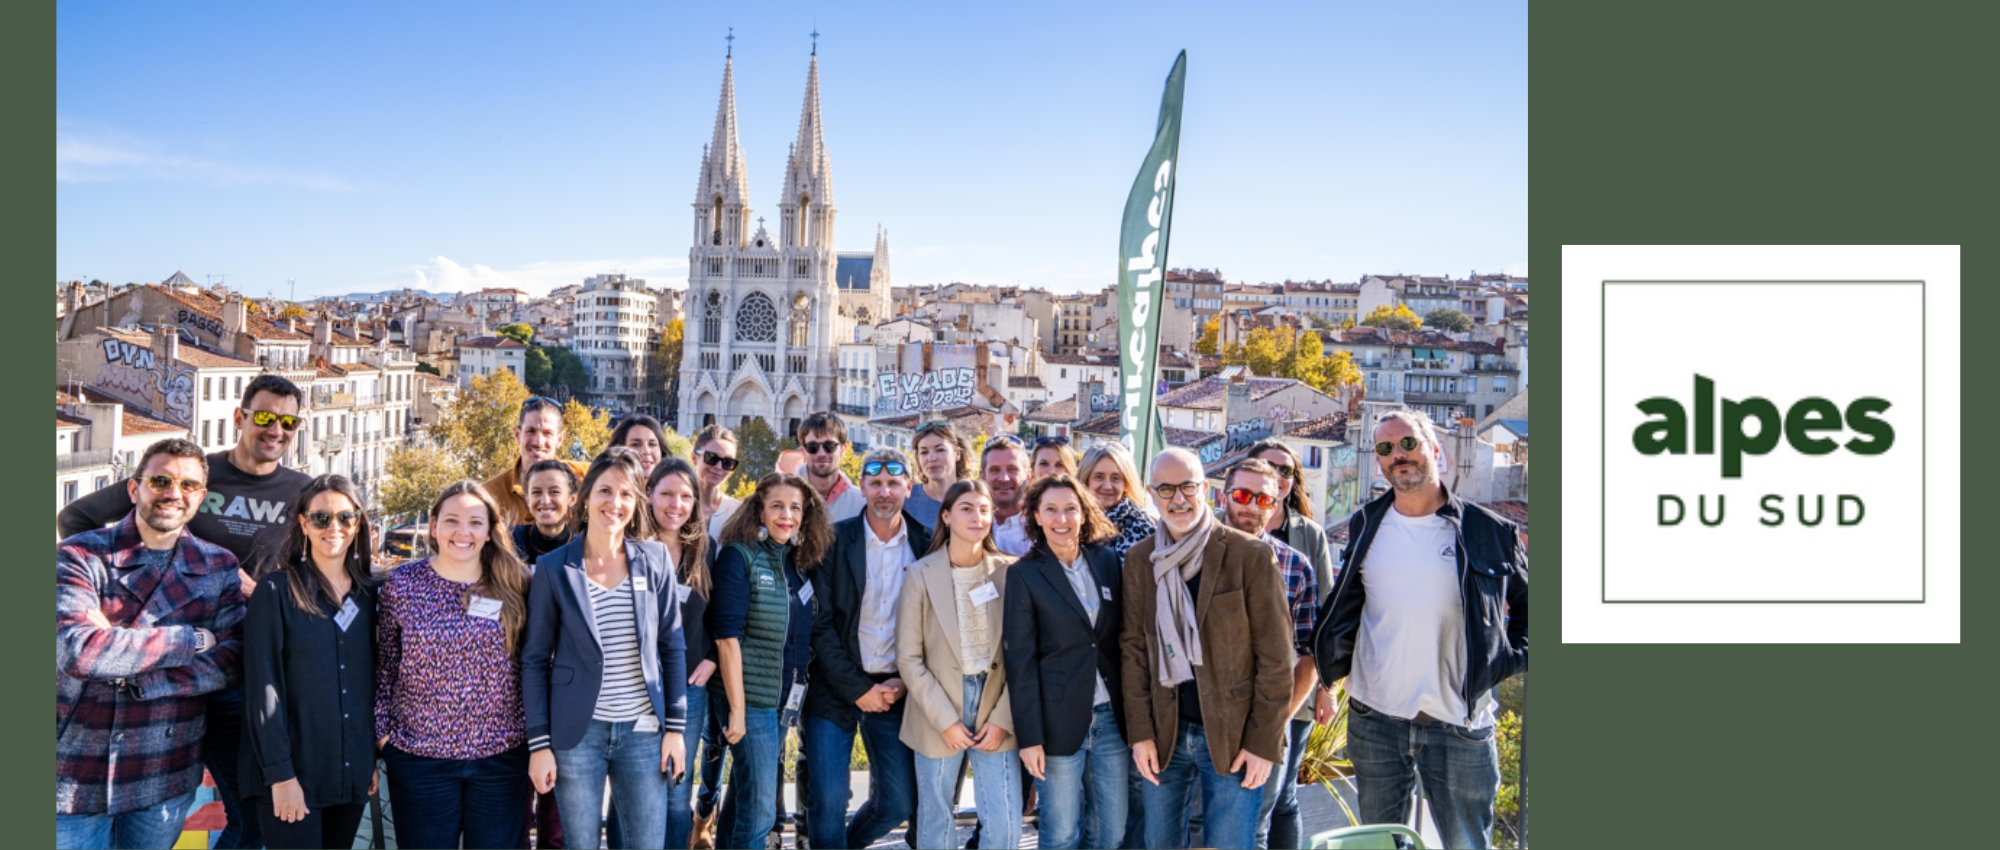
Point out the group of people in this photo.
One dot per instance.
(1103, 647)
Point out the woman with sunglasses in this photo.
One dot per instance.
(448, 716)
(1052, 455)
(1294, 524)
(948, 650)
(604, 671)
(673, 493)
(761, 614)
(943, 459)
(1064, 609)
(308, 758)
(641, 434)
(1114, 483)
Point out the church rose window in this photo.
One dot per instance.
(756, 320)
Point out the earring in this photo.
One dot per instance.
(762, 535)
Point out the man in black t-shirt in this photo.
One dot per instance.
(247, 505)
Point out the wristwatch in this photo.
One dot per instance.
(200, 641)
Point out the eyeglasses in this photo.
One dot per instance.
(821, 447)
(1409, 443)
(1045, 442)
(321, 519)
(726, 464)
(1190, 489)
(264, 418)
(1245, 495)
(164, 483)
(875, 467)
(1285, 470)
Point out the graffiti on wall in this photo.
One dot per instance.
(1343, 483)
(1211, 451)
(1242, 435)
(133, 373)
(193, 319)
(909, 387)
(1103, 402)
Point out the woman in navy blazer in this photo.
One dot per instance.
(604, 667)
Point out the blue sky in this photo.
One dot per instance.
(357, 147)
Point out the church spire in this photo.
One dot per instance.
(809, 175)
(722, 194)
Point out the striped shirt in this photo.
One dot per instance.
(622, 694)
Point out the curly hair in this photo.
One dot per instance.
(815, 534)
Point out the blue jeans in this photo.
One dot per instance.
(638, 787)
(152, 827)
(1135, 810)
(1460, 768)
(220, 743)
(1228, 810)
(680, 795)
(996, 788)
(713, 745)
(892, 778)
(1278, 826)
(436, 802)
(751, 807)
(1106, 760)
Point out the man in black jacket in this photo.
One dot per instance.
(1429, 615)
(853, 672)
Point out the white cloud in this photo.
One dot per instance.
(443, 274)
(96, 154)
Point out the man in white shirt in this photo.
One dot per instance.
(1005, 466)
(853, 672)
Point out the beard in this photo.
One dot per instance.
(1399, 476)
(163, 524)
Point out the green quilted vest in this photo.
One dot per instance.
(765, 628)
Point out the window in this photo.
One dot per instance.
(204, 433)
(1499, 383)
(711, 321)
(239, 387)
(69, 492)
(207, 392)
(1312, 457)
(756, 319)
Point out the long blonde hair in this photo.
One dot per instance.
(502, 575)
(1121, 457)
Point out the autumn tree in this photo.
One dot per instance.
(1264, 350)
(663, 372)
(586, 431)
(1401, 318)
(517, 332)
(1211, 336)
(1320, 322)
(1445, 318)
(416, 475)
(477, 427)
(676, 445)
(291, 311)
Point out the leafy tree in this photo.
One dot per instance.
(586, 431)
(477, 427)
(677, 446)
(566, 371)
(537, 368)
(663, 373)
(1211, 335)
(416, 475)
(1322, 323)
(1401, 318)
(517, 332)
(1232, 354)
(1347, 323)
(428, 369)
(1265, 350)
(757, 450)
(851, 466)
(1445, 318)
(293, 311)
(1339, 371)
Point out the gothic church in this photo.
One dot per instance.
(765, 310)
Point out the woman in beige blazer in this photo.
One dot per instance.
(949, 654)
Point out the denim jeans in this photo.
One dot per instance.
(713, 746)
(1228, 810)
(1460, 769)
(1101, 766)
(680, 795)
(632, 761)
(892, 778)
(1278, 825)
(220, 742)
(996, 788)
(1135, 810)
(435, 802)
(751, 805)
(152, 827)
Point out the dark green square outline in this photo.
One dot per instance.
(1603, 449)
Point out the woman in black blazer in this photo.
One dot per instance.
(603, 669)
(309, 736)
(1060, 632)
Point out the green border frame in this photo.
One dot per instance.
(1604, 444)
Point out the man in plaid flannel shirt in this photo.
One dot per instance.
(148, 619)
(1250, 496)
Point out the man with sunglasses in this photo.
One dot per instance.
(1006, 468)
(246, 506)
(1207, 680)
(148, 621)
(855, 685)
(1251, 496)
(539, 435)
(1430, 613)
(823, 437)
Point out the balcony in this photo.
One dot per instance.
(1491, 365)
(1414, 397)
(333, 443)
(83, 460)
(852, 409)
(321, 398)
(1390, 363)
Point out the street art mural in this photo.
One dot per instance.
(949, 382)
(1243, 435)
(133, 373)
(1343, 483)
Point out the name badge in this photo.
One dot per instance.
(647, 723)
(638, 583)
(1106, 592)
(681, 592)
(345, 618)
(806, 593)
(484, 608)
(984, 593)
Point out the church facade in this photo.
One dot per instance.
(766, 307)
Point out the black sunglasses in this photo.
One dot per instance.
(875, 467)
(321, 519)
(1045, 442)
(1409, 443)
(726, 464)
(821, 447)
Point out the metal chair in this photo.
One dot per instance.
(1374, 836)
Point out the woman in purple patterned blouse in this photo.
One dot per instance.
(448, 671)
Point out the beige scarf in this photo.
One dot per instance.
(1177, 650)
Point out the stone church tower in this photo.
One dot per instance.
(764, 311)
